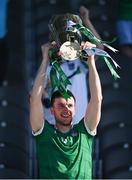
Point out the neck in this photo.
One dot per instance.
(63, 128)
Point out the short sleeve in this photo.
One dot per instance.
(39, 131)
(92, 133)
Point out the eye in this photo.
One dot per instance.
(60, 106)
(70, 105)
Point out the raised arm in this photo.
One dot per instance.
(36, 107)
(93, 112)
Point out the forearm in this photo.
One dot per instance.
(39, 81)
(38, 86)
(94, 81)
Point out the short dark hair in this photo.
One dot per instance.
(57, 94)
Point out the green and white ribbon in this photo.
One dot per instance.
(58, 78)
(106, 56)
(97, 51)
(89, 34)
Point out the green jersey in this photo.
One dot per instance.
(64, 155)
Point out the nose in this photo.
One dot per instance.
(66, 107)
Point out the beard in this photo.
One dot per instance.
(64, 123)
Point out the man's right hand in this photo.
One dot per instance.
(45, 48)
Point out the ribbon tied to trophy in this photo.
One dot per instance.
(71, 50)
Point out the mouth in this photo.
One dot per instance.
(66, 115)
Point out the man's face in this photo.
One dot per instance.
(63, 110)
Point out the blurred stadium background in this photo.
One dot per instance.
(27, 30)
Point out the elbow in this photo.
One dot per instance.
(98, 99)
(31, 99)
(35, 98)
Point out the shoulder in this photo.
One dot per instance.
(83, 128)
(46, 127)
